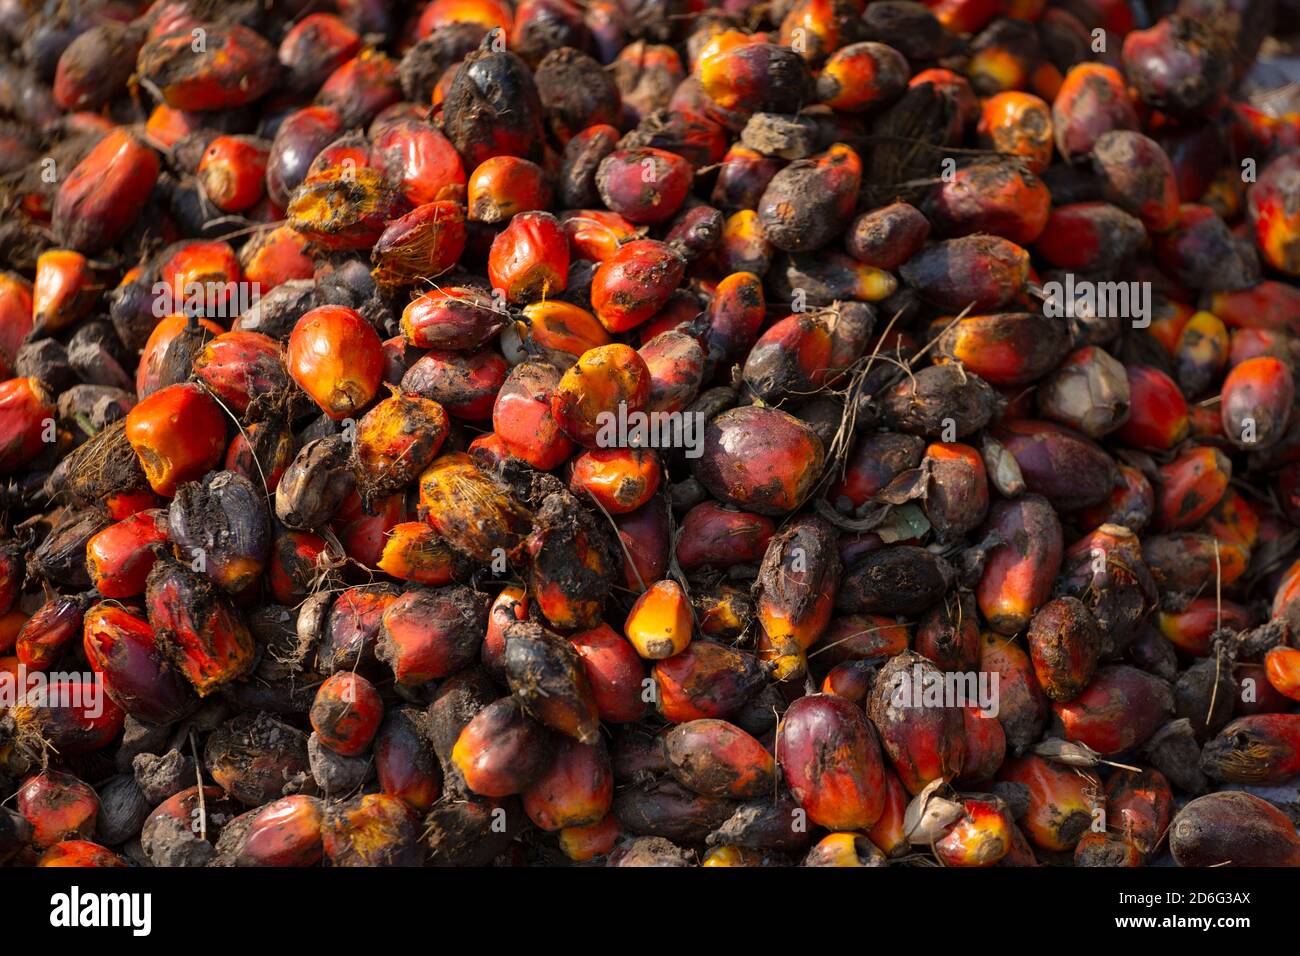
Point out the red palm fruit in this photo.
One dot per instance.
(735, 316)
(743, 175)
(861, 76)
(1255, 695)
(1120, 709)
(119, 558)
(811, 201)
(197, 628)
(65, 290)
(1138, 177)
(618, 479)
(235, 67)
(797, 581)
(606, 383)
(443, 13)
(362, 87)
(313, 48)
(1190, 487)
(614, 671)
(501, 751)
(79, 853)
(644, 185)
(659, 624)
(492, 108)
(585, 843)
(1233, 829)
(394, 442)
(1106, 849)
(991, 197)
(923, 742)
(58, 806)
(505, 185)
(743, 73)
(1268, 305)
(831, 761)
(72, 715)
(1139, 806)
(1022, 707)
(285, 832)
(298, 560)
(979, 837)
(949, 634)
(1087, 236)
(1088, 391)
(420, 159)
(274, 257)
(346, 713)
(957, 496)
(371, 830)
(706, 680)
(1158, 415)
(299, 138)
(429, 633)
(509, 606)
(575, 791)
(95, 66)
(1262, 749)
(43, 636)
(875, 461)
(1063, 466)
(596, 234)
(1191, 629)
(529, 259)
(1273, 215)
(149, 373)
(1282, 667)
(27, 416)
(363, 533)
(634, 283)
(405, 762)
(841, 849)
(454, 317)
(646, 542)
(1062, 801)
(1018, 573)
(342, 208)
(1187, 561)
(743, 247)
(717, 536)
(465, 384)
(760, 459)
(979, 273)
(1065, 643)
(563, 331)
(1199, 243)
(104, 194)
(178, 433)
(202, 277)
(261, 453)
(1256, 403)
(1092, 101)
(523, 420)
(427, 241)
(851, 680)
(986, 745)
(123, 648)
(240, 367)
(889, 832)
(676, 362)
(1202, 352)
(1180, 66)
(887, 237)
(232, 171)
(472, 512)
(792, 356)
(414, 552)
(352, 628)
(336, 357)
(716, 758)
(1018, 124)
(166, 126)
(16, 315)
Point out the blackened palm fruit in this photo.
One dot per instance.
(902, 579)
(809, 202)
(220, 524)
(426, 61)
(493, 108)
(941, 401)
(547, 677)
(1179, 66)
(576, 92)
